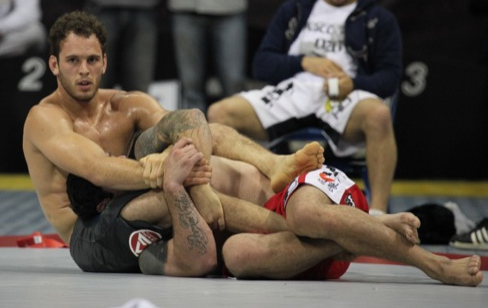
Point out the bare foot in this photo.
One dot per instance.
(405, 224)
(310, 157)
(463, 272)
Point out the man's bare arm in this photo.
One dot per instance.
(76, 154)
(192, 251)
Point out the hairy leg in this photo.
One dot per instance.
(280, 169)
(150, 207)
(280, 255)
(237, 112)
(240, 215)
(311, 213)
(240, 180)
(243, 216)
(371, 121)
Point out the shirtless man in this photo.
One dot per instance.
(72, 130)
(86, 131)
(327, 232)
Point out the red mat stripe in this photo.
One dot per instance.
(11, 241)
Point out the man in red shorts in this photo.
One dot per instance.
(341, 190)
(324, 236)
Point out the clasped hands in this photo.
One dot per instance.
(154, 169)
(327, 68)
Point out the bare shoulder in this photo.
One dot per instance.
(140, 106)
(132, 99)
(46, 117)
(48, 109)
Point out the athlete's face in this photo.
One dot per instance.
(80, 66)
(339, 2)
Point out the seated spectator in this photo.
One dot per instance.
(331, 63)
(21, 30)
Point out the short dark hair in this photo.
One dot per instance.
(85, 196)
(80, 23)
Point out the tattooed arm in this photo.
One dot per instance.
(192, 251)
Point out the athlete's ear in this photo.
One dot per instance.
(104, 63)
(54, 65)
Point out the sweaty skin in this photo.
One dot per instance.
(86, 131)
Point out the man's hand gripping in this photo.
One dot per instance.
(154, 170)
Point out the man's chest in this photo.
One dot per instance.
(112, 133)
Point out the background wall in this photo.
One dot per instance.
(440, 123)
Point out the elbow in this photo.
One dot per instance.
(199, 260)
(202, 265)
(207, 261)
(207, 266)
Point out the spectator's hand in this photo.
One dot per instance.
(346, 85)
(322, 67)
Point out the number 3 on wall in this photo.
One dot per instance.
(416, 79)
(34, 68)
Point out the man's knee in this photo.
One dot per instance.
(299, 219)
(234, 259)
(379, 117)
(242, 253)
(220, 112)
(231, 111)
(308, 208)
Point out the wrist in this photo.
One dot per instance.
(172, 187)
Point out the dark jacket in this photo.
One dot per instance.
(372, 38)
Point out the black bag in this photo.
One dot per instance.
(437, 223)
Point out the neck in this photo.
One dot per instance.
(74, 105)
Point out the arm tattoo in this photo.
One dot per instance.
(169, 130)
(189, 219)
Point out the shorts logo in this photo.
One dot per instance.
(274, 95)
(350, 200)
(139, 240)
(324, 176)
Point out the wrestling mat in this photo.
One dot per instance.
(48, 278)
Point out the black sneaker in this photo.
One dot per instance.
(474, 239)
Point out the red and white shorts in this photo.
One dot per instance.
(341, 190)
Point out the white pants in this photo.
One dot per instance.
(294, 98)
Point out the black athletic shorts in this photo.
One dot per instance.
(109, 243)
